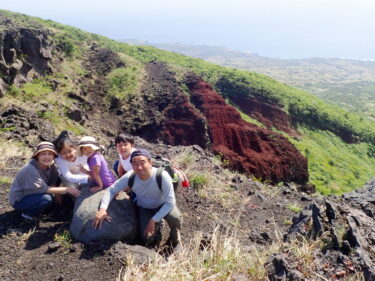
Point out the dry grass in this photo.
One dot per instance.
(223, 258)
(207, 183)
(9, 149)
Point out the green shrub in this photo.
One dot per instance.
(13, 91)
(37, 88)
(66, 44)
(198, 181)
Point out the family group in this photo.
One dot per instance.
(69, 167)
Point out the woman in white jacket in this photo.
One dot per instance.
(71, 164)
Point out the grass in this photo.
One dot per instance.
(222, 259)
(207, 183)
(11, 149)
(63, 238)
(199, 181)
(5, 181)
(125, 81)
(334, 166)
(294, 208)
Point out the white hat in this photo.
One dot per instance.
(88, 141)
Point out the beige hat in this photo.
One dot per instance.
(88, 141)
(45, 146)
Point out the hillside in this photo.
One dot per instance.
(253, 149)
(345, 82)
(91, 79)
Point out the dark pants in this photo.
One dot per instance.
(173, 219)
(34, 204)
(115, 167)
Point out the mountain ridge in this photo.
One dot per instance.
(329, 78)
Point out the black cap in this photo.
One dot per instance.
(140, 152)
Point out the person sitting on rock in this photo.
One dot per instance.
(32, 188)
(153, 203)
(69, 164)
(98, 166)
(124, 147)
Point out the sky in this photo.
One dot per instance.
(273, 28)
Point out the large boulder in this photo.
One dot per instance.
(122, 227)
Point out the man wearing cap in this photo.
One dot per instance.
(32, 187)
(154, 203)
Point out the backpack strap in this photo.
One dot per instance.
(159, 177)
(131, 180)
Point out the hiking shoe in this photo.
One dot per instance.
(174, 238)
(28, 217)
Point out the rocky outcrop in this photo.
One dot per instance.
(101, 61)
(256, 104)
(24, 55)
(19, 124)
(271, 116)
(278, 269)
(163, 113)
(248, 148)
(347, 228)
(122, 227)
(183, 125)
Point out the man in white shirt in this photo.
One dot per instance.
(154, 203)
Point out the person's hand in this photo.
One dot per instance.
(100, 216)
(83, 170)
(73, 191)
(95, 189)
(150, 228)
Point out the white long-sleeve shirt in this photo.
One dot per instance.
(125, 163)
(148, 193)
(70, 170)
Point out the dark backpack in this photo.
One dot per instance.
(164, 164)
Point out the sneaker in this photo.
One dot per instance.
(28, 217)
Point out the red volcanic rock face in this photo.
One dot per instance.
(268, 114)
(261, 152)
(183, 125)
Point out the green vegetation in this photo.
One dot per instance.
(13, 91)
(335, 166)
(294, 208)
(63, 237)
(66, 44)
(5, 181)
(37, 88)
(248, 119)
(199, 180)
(124, 81)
